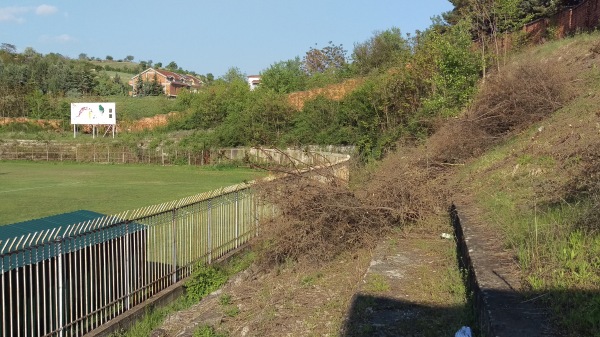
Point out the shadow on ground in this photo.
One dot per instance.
(524, 314)
(382, 316)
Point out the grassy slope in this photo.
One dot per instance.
(36, 190)
(125, 77)
(116, 64)
(537, 190)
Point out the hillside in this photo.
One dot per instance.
(333, 92)
(523, 161)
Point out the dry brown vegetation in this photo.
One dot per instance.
(334, 92)
(319, 221)
(507, 103)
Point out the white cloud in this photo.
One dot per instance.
(62, 39)
(13, 14)
(17, 14)
(45, 10)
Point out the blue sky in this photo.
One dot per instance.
(205, 36)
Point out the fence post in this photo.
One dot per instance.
(60, 300)
(174, 234)
(209, 239)
(256, 214)
(237, 224)
(127, 293)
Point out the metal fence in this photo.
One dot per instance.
(71, 279)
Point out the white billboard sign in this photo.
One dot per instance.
(93, 113)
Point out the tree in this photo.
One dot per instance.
(330, 58)
(172, 66)
(158, 64)
(129, 58)
(83, 56)
(109, 58)
(156, 88)
(8, 48)
(233, 75)
(382, 51)
(285, 76)
(458, 13)
(447, 68)
(139, 87)
(29, 53)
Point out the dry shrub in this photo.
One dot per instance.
(508, 102)
(456, 141)
(519, 96)
(409, 183)
(317, 221)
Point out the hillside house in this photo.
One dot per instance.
(253, 81)
(171, 82)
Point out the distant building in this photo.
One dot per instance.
(253, 81)
(171, 82)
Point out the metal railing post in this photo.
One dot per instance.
(127, 276)
(59, 299)
(174, 246)
(209, 234)
(237, 224)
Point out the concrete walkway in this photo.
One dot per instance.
(412, 288)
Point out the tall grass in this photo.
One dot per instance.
(559, 258)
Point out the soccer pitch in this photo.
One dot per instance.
(30, 190)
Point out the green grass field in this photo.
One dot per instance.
(125, 77)
(30, 190)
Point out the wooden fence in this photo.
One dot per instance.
(109, 153)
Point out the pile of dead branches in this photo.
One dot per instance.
(317, 221)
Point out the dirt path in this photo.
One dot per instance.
(408, 284)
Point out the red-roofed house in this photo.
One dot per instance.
(171, 82)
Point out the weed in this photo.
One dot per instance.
(232, 311)
(225, 299)
(310, 280)
(204, 280)
(207, 331)
(377, 283)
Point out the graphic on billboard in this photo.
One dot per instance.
(93, 113)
